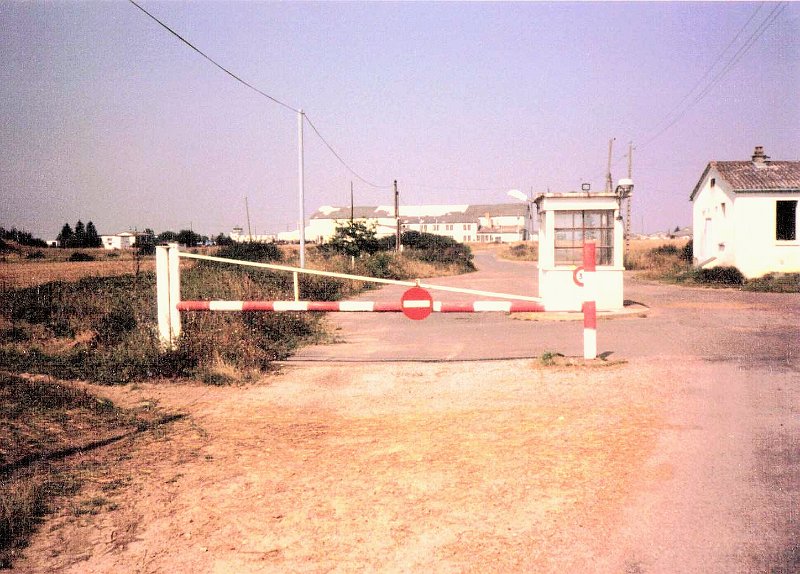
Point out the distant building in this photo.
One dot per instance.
(124, 240)
(238, 236)
(500, 223)
(745, 215)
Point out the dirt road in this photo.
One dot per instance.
(684, 458)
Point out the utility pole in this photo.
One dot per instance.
(247, 211)
(630, 199)
(397, 217)
(301, 188)
(609, 182)
(352, 209)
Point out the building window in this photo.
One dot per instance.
(424, 227)
(713, 182)
(786, 220)
(448, 227)
(572, 228)
(467, 227)
(436, 227)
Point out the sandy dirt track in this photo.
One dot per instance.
(462, 467)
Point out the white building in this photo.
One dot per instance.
(238, 236)
(124, 240)
(745, 215)
(464, 223)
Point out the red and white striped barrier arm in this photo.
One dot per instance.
(360, 306)
(589, 302)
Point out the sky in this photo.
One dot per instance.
(107, 117)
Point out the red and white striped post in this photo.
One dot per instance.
(589, 301)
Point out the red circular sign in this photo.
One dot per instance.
(577, 276)
(417, 303)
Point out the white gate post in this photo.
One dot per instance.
(168, 294)
(589, 301)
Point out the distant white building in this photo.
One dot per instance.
(238, 236)
(500, 223)
(124, 240)
(745, 215)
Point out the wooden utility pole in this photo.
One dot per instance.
(247, 211)
(352, 209)
(609, 182)
(397, 217)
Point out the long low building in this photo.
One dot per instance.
(499, 223)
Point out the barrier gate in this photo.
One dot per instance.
(416, 303)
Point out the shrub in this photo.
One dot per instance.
(260, 252)
(719, 276)
(35, 255)
(81, 256)
(687, 252)
(775, 283)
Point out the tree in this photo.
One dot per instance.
(167, 237)
(145, 243)
(66, 236)
(188, 238)
(354, 238)
(223, 239)
(92, 238)
(79, 239)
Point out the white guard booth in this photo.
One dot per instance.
(566, 220)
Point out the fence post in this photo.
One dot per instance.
(589, 301)
(168, 295)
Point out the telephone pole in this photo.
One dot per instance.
(397, 217)
(630, 199)
(352, 209)
(609, 182)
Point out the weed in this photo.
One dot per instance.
(81, 256)
(548, 358)
(775, 283)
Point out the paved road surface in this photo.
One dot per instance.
(759, 329)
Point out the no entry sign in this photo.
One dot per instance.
(417, 303)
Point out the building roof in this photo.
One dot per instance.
(425, 213)
(758, 175)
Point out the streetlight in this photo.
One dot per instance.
(517, 194)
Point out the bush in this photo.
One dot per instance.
(260, 252)
(719, 276)
(687, 252)
(437, 249)
(81, 256)
(35, 255)
(775, 283)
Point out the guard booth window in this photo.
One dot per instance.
(786, 221)
(572, 228)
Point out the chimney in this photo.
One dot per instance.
(759, 159)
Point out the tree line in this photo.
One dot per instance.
(82, 236)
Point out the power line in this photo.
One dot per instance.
(709, 69)
(210, 59)
(337, 156)
(731, 63)
(264, 94)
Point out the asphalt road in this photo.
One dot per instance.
(724, 325)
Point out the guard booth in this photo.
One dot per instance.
(566, 221)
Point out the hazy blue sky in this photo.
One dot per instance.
(107, 117)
